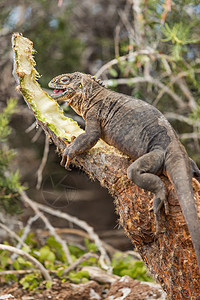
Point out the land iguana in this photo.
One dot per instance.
(138, 130)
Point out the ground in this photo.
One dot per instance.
(124, 288)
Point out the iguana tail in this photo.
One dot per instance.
(179, 172)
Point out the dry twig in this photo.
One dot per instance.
(184, 88)
(128, 57)
(13, 234)
(125, 21)
(37, 135)
(29, 257)
(43, 163)
(117, 31)
(171, 115)
(16, 272)
(100, 275)
(31, 127)
(73, 231)
(34, 206)
(86, 227)
(79, 261)
(149, 79)
(138, 23)
(190, 135)
(24, 234)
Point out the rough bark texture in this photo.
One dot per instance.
(170, 256)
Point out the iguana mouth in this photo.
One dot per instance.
(60, 92)
(57, 93)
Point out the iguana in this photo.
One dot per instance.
(138, 130)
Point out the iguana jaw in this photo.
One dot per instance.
(60, 93)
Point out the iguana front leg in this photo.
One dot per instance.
(83, 142)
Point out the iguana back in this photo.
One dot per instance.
(131, 125)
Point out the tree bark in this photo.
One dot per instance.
(170, 255)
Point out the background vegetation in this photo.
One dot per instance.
(151, 51)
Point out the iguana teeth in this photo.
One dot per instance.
(58, 91)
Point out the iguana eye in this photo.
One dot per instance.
(64, 79)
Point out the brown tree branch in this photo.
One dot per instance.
(170, 256)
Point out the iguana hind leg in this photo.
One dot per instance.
(195, 170)
(142, 172)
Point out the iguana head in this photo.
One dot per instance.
(74, 88)
(65, 86)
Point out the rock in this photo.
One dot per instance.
(7, 297)
(127, 288)
(100, 275)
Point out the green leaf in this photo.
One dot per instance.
(4, 259)
(76, 251)
(9, 181)
(24, 263)
(128, 266)
(49, 284)
(78, 277)
(30, 281)
(26, 249)
(16, 264)
(10, 277)
(25, 285)
(60, 272)
(46, 254)
(5, 117)
(51, 241)
(113, 72)
(56, 248)
(90, 246)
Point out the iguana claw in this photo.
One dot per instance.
(66, 158)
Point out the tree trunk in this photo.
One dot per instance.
(170, 255)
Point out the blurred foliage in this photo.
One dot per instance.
(179, 35)
(9, 180)
(126, 265)
(82, 36)
(52, 257)
(62, 50)
(79, 36)
(53, 37)
(170, 30)
(65, 37)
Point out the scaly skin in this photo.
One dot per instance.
(137, 129)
